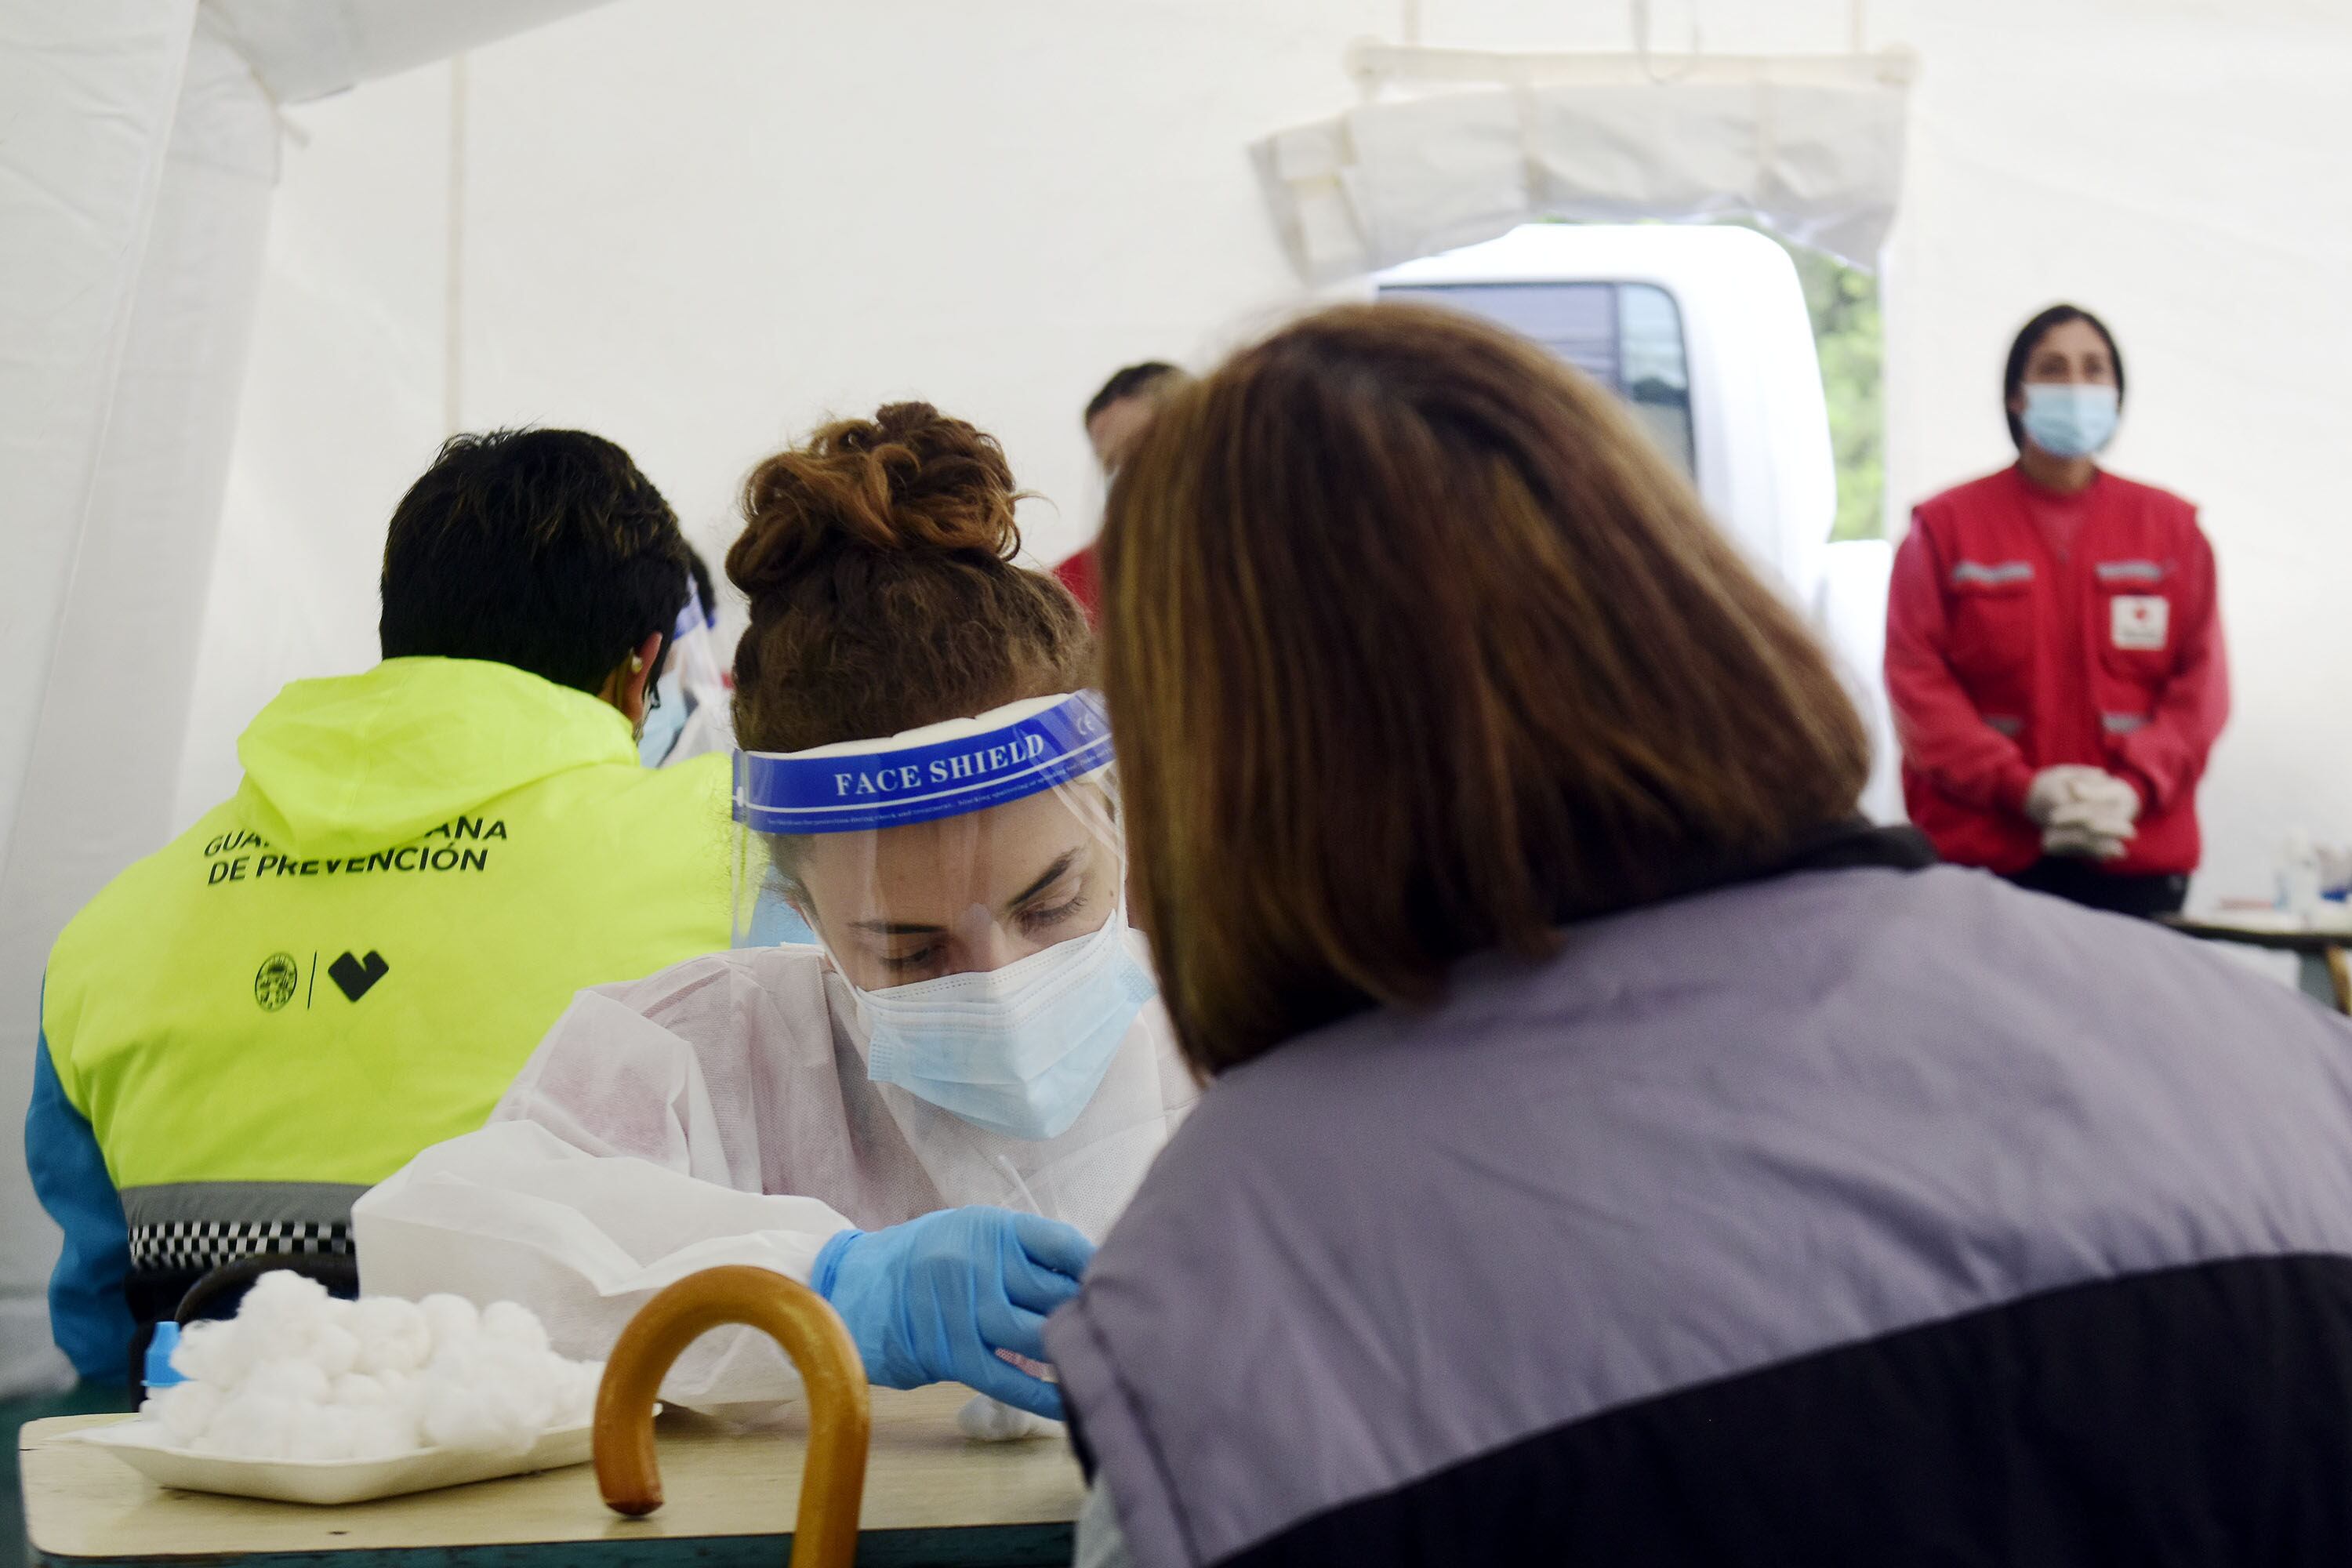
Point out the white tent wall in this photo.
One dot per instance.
(90, 93)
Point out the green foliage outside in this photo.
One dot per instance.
(1843, 303)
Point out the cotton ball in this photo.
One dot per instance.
(299, 1381)
(379, 1432)
(283, 1298)
(217, 1353)
(490, 1414)
(288, 1317)
(248, 1344)
(183, 1410)
(504, 1396)
(986, 1420)
(515, 1324)
(410, 1394)
(535, 1381)
(332, 1348)
(323, 1432)
(452, 1320)
(392, 1334)
(252, 1427)
(357, 1388)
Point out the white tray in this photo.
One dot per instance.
(141, 1444)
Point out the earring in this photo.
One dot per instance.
(636, 663)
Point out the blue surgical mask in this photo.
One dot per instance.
(662, 722)
(1018, 1050)
(2069, 419)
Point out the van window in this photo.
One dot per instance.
(1626, 336)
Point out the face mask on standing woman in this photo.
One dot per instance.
(2069, 419)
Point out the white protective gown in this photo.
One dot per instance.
(719, 1113)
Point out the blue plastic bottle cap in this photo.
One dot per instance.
(161, 1373)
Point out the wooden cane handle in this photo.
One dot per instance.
(833, 1481)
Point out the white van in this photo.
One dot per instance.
(1703, 332)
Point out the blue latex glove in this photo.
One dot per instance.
(933, 1301)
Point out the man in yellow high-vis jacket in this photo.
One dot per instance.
(351, 958)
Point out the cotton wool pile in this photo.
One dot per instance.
(297, 1375)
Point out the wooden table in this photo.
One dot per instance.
(2323, 971)
(931, 1497)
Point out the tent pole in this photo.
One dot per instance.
(453, 296)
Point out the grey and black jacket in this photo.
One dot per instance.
(1863, 1215)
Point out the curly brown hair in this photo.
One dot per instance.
(878, 558)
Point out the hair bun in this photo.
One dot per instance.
(908, 480)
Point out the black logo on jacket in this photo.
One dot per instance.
(357, 976)
(275, 982)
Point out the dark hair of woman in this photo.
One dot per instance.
(2020, 354)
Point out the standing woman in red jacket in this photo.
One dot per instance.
(2053, 648)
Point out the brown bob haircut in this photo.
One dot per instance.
(1415, 647)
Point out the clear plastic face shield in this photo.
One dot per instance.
(690, 683)
(968, 881)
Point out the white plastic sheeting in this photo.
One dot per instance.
(303, 50)
(1811, 147)
(90, 89)
(136, 173)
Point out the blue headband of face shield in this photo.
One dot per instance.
(1019, 1050)
(860, 785)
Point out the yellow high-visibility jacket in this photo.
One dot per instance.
(351, 958)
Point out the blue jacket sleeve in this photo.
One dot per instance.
(89, 1316)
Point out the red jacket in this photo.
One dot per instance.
(2014, 644)
(1082, 575)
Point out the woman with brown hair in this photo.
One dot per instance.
(930, 1114)
(1618, 1151)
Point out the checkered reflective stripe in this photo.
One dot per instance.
(201, 1245)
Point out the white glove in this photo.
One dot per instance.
(2071, 783)
(2086, 843)
(2082, 811)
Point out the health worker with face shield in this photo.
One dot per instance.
(2053, 648)
(687, 714)
(931, 1115)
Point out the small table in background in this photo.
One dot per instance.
(2323, 971)
(931, 1496)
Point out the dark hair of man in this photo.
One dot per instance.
(1134, 381)
(2029, 338)
(545, 550)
